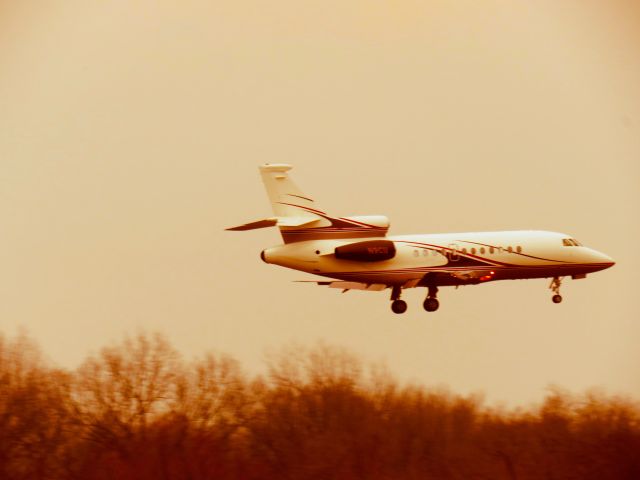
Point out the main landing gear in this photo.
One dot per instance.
(397, 305)
(431, 303)
(555, 288)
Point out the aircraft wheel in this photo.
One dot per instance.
(431, 304)
(399, 306)
(556, 298)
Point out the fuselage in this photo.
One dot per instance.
(356, 253)
(447, 259)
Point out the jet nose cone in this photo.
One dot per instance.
(605, 260)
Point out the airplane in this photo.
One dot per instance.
(356, 253)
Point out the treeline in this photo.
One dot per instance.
(138, 410)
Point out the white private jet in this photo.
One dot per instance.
(357, 254)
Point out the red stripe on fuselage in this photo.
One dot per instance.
(457, 252)
(515, 253)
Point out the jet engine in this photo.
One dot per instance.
(368, 251)
(377, 221)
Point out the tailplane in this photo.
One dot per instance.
(298, 218)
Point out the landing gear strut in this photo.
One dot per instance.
(431, 303)
(397, 305)
(555, 288)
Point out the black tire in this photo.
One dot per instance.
(556, 298)
(431, 304)
(399, 306)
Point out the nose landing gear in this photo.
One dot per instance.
(431, 303)
(397, 305)
(555, 288)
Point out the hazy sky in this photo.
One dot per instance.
(131, 132)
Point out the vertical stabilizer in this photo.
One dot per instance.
(287, 200)
(299, 219)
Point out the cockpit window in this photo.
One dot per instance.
(571, 242)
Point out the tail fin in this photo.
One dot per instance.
(299, 219)
(287, 200)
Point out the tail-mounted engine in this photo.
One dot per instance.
(368, 251)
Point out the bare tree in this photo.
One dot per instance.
(137, 411)
(120, 392)
(35, 420)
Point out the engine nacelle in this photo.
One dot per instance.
(368, 251)
(377, 221)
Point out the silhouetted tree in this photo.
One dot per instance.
(137, 410)
(35, 426)
(119, 394)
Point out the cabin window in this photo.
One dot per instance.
(464, 250)
(509, 249)
(482, 250)
(492, 250)
(519, 249)
(473, 251)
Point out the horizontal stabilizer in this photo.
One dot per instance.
(269, 222)
(276, 221)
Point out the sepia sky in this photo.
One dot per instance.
(131, 132)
